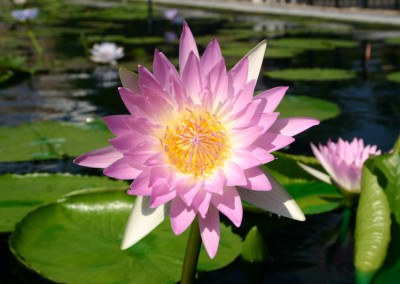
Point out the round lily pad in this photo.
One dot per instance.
(20, 194)
(78, 240)
(394, 77)
(307, 106)
(313, 43)
(50, 140)
(311, 74)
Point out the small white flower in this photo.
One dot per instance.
(24, 15)
(19, 2)
(106, 52)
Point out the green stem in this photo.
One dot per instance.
(344, 227)
(191, 255)
(35, 43)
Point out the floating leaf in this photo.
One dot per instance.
(311, 74)
(20, 194)
(313, 43)
(50, 140)
(315, 197)
(394, 77)
(307, 106)
(78, 241)
(372, 234)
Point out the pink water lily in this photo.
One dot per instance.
(194, 140)
(343, 162)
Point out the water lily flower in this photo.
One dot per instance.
(170, 14)
(106, 52)
(194, 142)
(24, 15)
(343, 162)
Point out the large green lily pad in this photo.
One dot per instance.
(313, 43)
(20, 194)
(307, 106)
(50, 140)
(77, 241)
(311, 74)
(394, 77)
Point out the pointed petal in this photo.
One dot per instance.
(276, 200)
(193, 79)
(119, 124)
(100, 158)
(201, 202)
(257, 180)
(234, 174)
(142, 221)
(273, 97)
(256, 57)
(129, 79)
(181, 216)
(210, 231)
(211, 56)
(186, 46)
(319, 175)
(292, 125)
(120, 169)
(229, 204)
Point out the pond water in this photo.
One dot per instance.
(68, 87)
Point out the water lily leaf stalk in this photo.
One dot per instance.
(36, 45)
(191, 255)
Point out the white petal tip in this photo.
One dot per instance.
(294, 210)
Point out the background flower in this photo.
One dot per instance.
(343, 162)
(24, 15)
(194, 141)
(106, 52)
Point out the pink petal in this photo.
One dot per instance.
(186, 46)
(100, 158)
(188, 189)
(129, 80)
(215, 183)
(210, 231)
(201, 202)
(234, 174)
(273, 97)
(244, 159)
(181, 216)
(293, 125)
(120, 169)
(193, 79)
(140, 186)
(211, 56)
(218, 84)
(242, 138)
(237, 77)
(119, 124)
(256, 180)
(160, 195)
(272, 142)
(229, 204)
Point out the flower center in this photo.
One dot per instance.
(197, 144)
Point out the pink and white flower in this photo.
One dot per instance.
(194, 142)
(343, 162)
(106, 52)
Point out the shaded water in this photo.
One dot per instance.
(75, 90)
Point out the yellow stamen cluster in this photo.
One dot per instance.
(197, 144)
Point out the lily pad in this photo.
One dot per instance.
(50, 140)
(307, 106)
(311, 74)
(315, 197)
(393, 41)
(372, 233)
(394, 77)
(313, 44)
(20, 194)
(77, 241)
